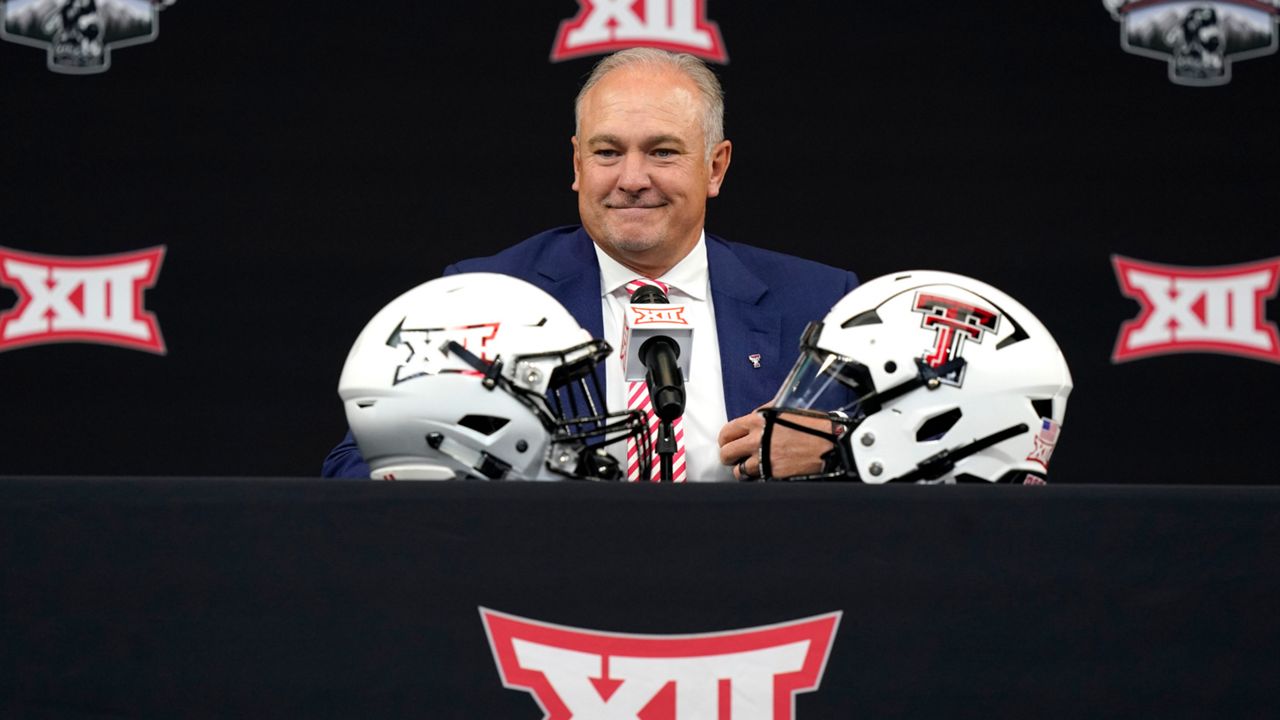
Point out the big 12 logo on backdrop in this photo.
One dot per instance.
(749, 674)
(603, 26)
(1198, 309)
(80, 299)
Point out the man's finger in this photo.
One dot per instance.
(736, 451)
(736, 428)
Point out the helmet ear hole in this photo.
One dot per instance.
(1043, 407)
(483, 424)
(938, 425)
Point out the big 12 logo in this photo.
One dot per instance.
(604, 26)
(749, 674)
(1198, 309)
(94, 299)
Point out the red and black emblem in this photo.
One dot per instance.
(427, 347)
(954, 322)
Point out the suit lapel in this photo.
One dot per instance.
(746, 326)
(572, 276)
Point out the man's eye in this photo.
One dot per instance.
(664, 153)
(607, 153)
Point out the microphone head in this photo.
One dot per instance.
(649, 295)
(650, 316)
(668, 402)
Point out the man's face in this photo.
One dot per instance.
(640, 166)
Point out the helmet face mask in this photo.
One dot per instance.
(561, 388)
(927, 377)
(482, 376)
(835, 462)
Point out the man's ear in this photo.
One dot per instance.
(577, 162)
(720, 156)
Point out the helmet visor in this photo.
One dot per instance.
(825, 382)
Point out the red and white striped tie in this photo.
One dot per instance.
(638, 399)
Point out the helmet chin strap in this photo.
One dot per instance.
(940, 464)
(926, 376)
(491, 371)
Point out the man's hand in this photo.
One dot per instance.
(791, 452)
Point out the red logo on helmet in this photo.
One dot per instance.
(1198, 309)
(427, 353)
(475, 338)
(575, 673)
(603, 26)
(953, 322)
(80, 299)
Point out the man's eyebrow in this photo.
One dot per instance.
(607, 139)
(666, 140)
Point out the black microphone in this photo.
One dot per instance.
(660, 355)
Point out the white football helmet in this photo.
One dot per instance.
(485, 376)
(927, 377)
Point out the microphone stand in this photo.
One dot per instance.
(668, 404)
(666, 450)
(665, 384)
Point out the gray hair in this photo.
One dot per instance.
(692, 68)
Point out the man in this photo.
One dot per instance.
(649, 150)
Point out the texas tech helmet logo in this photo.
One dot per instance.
(80, 34)
(1198, 309)
(80, 299)
(1199, 39)
(953, 323)
(751, 674)
(603, 26)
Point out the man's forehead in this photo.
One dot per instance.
(628, 93)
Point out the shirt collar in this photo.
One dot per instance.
(689, 276)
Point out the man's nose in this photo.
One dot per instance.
(634, 176)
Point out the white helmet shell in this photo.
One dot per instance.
(942, 369)
(451, 378)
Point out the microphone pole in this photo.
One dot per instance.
(666, 385)
(666, 449)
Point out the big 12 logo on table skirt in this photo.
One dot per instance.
(747, 674)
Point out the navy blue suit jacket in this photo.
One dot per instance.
(762, 299)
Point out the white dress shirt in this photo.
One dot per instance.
(704, 413)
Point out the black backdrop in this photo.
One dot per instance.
(306, 163)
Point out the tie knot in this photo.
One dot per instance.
(638, 283)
